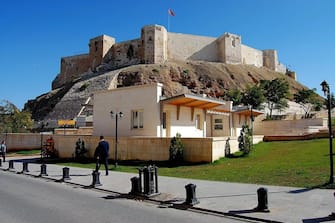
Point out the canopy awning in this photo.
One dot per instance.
(248, 112)
(194, 101)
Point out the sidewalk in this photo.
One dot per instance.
(286, 204)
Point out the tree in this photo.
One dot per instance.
(235, 96)
(253, 96)
(309, 101)
(12, 119)
(275, 92)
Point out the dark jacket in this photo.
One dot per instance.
(102, 150)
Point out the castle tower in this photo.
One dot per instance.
(154, 43)
(99, 47)
(229, 49)
(270, 59)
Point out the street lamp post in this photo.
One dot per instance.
(252, 119)
(326, 90)
(116, 115)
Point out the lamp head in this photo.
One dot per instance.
(118, 114)
(325, 87)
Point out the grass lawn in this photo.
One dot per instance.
(291, 163)
(25, 152)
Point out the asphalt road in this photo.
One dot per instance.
(24, 199)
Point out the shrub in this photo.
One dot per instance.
(176, 149)
(227, 148)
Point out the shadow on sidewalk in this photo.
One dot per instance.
(317, 220)
(243, 211)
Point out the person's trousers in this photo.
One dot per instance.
(102, 161)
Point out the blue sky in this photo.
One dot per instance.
(35, 34)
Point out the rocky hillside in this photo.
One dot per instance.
(197, 77)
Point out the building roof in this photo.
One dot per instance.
(195, 101)
(245, 110)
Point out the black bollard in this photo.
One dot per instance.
(332, 215)
(43, 170)
(0, 162)
(191, 195)
(262, 194)
(140, 172)
(135, 185)
(25, 167)
(149, 183)
(11, 165)
(96, 179)
(146, 183)
(66, 175)
(156, 179)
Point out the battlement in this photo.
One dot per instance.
(156, 45)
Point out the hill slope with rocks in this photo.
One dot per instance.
(197, 77)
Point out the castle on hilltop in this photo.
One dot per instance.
(156, 45)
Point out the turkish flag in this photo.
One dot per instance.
(171, 13)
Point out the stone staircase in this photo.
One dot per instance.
(73, 101)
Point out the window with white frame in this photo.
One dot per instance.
(218, 124)
(137, 119)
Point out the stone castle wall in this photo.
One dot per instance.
(252, 56)
(124, 54)
(71, 68)
(156, 45)
(190, 47)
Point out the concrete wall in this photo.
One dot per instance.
(191, 47)
(137, 148)
(127, 99)
(219, 145)
(131, 148)
(289, 127)
(19, 141)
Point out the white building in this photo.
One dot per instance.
(146, 113)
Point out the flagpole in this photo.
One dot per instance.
(168, 15)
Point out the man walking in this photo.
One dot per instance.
(101, 154)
